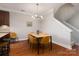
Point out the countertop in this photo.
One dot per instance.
(3, 34)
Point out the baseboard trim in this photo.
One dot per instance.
(70, 48)
(21, 39)
(17, 41)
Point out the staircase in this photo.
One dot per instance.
(69, 14)
(55, 23)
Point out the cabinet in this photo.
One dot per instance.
(4, 44)
(4, 18)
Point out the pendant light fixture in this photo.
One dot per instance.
(37, 16)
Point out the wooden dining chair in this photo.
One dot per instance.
(50, 42)
(46, 42)
(32, 41)
(13, 36)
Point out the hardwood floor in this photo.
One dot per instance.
(22, 49)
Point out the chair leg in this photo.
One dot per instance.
(8, 49)
(1, 51)
(43, 48)
(28, 41)
(51, 45)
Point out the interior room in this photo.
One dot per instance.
(39, 29)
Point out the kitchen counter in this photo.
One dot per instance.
(3, 34)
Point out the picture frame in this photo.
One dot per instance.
(29, 23)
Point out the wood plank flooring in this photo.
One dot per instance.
(22, 49)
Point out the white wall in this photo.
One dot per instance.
(68, 14)
(18, 24)
(74, 21)
(60, 33)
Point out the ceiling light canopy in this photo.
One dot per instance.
(36, 16)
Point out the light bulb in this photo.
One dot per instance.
(36, 15)
(33, 17)
(41, 17)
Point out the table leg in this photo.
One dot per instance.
(38, 46)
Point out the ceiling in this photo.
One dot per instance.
(29, 7)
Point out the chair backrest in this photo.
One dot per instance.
(50, 39)
(13, 35)
(45, 40)
(32, 39)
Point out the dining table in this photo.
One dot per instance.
(38, 36)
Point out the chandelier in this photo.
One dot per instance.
(36, 16)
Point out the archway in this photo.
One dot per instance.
(65, 12)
